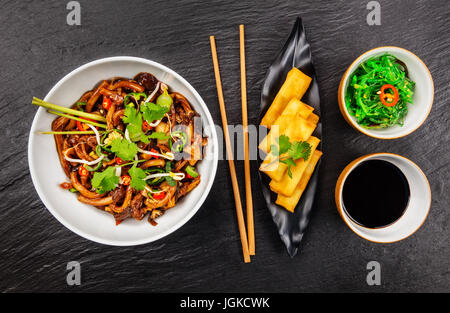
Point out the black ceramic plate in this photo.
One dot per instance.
(295, 53)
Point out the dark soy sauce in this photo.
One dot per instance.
(375, 194)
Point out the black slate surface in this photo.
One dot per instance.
(38, 48)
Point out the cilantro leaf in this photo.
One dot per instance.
(282, 147)
(134, 120)
(158, 135)
(135, 95)
(153, 112)
(105, 181)
(290, 162)
(294, 150)
(137, 177)
(283, 142)
(299, 149)
(124, 149)
(131, 115)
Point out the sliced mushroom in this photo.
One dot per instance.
(154, 215)
(136, 205)
(117, 117)
(154, 204)
(128, 85)
(126, 201)
(187, 187)
(81, 189)
(110, 116)
(58, 125)
(95, 95)
(153, 162)
(96, 202)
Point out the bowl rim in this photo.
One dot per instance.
(352, 165)
(346, 75)
(167, 231)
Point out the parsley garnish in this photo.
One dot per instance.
(135, 95)
(153, 112)
(294, 151)
(124, 149)
(105, 181)
(137, 177)
(134, 120)
(158, 135)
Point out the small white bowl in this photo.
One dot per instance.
(422, 99)
(47, 174)
(415, 213)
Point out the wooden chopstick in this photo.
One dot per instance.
(248, 184)
(237, 197)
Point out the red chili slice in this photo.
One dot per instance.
(159, 195)
(126, 180)
(154, 151)
(83, 171)
(388, 99)
(119, 161)
(146, 126)
(83, 126)
(106, 102)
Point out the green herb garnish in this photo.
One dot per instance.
(105, 181)
(137, 177)
(124, 149)
(288, 152)
(134, 120)
(153, 112)
(159, 135)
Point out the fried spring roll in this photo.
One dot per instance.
(289, 203)
(295, 86)
(286, 185)
(313, 118)
(293, 111)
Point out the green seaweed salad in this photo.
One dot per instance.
(379, 92)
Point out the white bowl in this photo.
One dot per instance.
(422, 99)
(47, 174)
(416, 212)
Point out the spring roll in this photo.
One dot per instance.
(301, 130)
(295, 86)
(286, 185)
(293, 111)
(289, 203)
(313, 118)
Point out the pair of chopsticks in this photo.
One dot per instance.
(248, 245)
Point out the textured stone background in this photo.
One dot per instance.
(38, 48)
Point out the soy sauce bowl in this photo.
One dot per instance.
(415, 213)
(422, 99)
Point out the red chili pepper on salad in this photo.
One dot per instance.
(389, 99)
